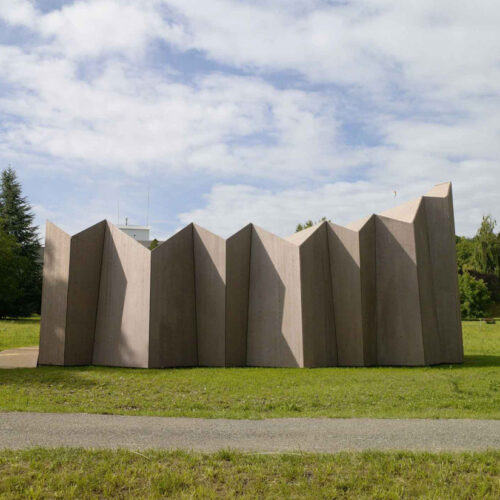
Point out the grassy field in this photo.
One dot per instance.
(19, 333)
(471, 390)
(75, 473)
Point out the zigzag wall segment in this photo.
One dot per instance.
(380, 291)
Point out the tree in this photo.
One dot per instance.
(16, 221)
(474, 296)
(487, 247)
(154, 244)
(308, 223)
(465, 253)
(10, 292)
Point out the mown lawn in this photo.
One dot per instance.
(471, 390)
(19, 333)
(75, 473)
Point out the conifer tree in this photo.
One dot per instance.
(16, 221)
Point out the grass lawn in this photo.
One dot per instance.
(471, 390)
(19, 332)
(75, 473)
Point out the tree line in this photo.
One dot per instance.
(20, 266)
(478, 262)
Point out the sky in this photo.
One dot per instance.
(228, 112)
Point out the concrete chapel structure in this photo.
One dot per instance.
(379, 291)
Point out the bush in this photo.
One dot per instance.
(491, 281)
(475, 297)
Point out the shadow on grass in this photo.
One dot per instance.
(472, 361)
(481, 360)
(45, 377)
(23, 321)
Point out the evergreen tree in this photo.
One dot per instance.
(16, 221)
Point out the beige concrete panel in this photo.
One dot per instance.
(318, 329)
(430, 333)
(345, 267)
(237, 295)
(210, 283)
(399, 327)
(352, 260)
(441, 234)
(54, 296)
(83, 294)
(122, 327)
(405, 212)
(368, 290)
(173, 339)
(274, 313)
(300, 236)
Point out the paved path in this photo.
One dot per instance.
(23, 430)
(23, 357)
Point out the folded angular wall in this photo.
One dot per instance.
(83, 294)
(173, 337)
(441, 234)
(71, 276)
(352, 266)
(238, 249)
(274, 303)
(380, 291)
(54, 296)
(122, 326)
(318, 327)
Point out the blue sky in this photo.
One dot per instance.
(231, 112)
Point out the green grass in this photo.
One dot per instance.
(76, 473)
(19, 332)
(471, 390)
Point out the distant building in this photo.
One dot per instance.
(139, 233)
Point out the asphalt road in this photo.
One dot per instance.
(25, 430)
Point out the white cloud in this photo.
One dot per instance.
(96, 27)
(426, 45)
(18, 12)
(123, 120)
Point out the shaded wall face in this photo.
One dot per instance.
(122, 327)
(430, 334)
(83, 294)
(368, 275)
(346, 283)
(238, 248)
(399, 328)
(318, 326)
(54, 296)
(274, 313)
(441, 234)
(210, 283)
(173, 337)
(353, 272)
